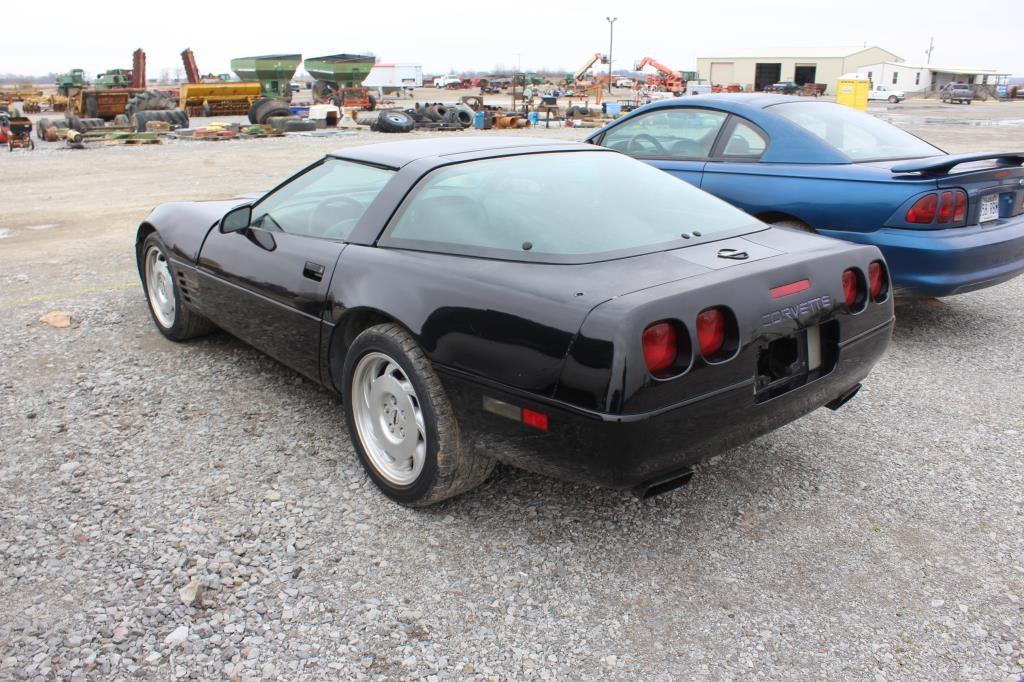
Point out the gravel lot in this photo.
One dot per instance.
(197, 510)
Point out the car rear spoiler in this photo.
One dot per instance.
(941, 165)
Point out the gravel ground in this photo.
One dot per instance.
(197, 510)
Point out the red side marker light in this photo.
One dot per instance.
(537, 420)
(791, 288)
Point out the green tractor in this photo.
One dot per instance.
(72, 80)
(114, 78)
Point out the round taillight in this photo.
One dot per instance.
(877, 280)
(661, 346)
(711, 331)
(850, 287)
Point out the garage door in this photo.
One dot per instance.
(722, 73)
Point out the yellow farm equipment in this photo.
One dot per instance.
(218, 99)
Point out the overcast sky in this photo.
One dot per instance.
(482, 34)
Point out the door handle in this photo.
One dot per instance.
(313, 271)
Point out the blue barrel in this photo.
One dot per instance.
(478, 120)
(534, 117)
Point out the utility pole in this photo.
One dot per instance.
(931, 46)
(611, 37)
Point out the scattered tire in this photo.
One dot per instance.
(395, 121)
(298, 125)
(175, 118)
(451, 118)
(415, 114)
(149, 100)
(432, 114)
(373, 103)
(423, 458)
(254, 108)
(74, 123)
(465, 116)
(42, 125)
(272, 107)
(280, 122)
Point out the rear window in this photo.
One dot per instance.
(558, 207)
(859, 136)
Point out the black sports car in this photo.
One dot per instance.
(556, 306)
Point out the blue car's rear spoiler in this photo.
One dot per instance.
(941, 165)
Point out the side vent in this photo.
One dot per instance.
(184, 287)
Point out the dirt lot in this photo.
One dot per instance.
(883, 541)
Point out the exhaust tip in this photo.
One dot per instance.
(843, 399)
(659, 486)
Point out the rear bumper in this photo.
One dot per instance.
(626, 451)
(950, 261)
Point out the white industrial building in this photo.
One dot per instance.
(756, 68)
(920, 79)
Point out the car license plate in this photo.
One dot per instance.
(989, 208)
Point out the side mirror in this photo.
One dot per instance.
(237, 219)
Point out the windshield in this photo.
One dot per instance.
(558, 207)
(859, 136)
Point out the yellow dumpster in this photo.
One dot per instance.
(853, 91)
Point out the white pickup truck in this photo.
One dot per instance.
(881, 92)
(445, 81)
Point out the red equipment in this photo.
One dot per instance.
(17, 132)
(665, 79)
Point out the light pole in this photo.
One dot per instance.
(611, 37)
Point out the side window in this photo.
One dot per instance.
(326, 201)
(745, 141)
(683, 133)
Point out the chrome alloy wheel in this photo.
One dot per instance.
(160, 287)
(389, 419)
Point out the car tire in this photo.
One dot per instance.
(433, 461)
(893, 99)
(395, 121)
(172, 316)
(431, 114)
(797, 225)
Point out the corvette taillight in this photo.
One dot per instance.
(946, 207)
(661, 346)
(711, 331)
(878, 281)
(852, 288)
(923, 210)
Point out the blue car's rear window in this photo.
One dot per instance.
(860, 136)
(558, 207)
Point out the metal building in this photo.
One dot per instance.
(756, 68)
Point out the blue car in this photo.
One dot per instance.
(947, 224)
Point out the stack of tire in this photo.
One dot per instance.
(150, 100)
(82, 124)
(265, 107)
(176, 118)
(49, 129)
(391, 120)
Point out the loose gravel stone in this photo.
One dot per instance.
(882, 541)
